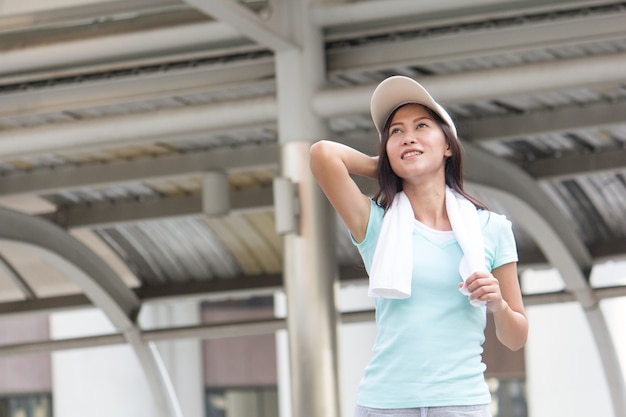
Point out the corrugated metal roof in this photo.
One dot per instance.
(596, 203)
(197, 248)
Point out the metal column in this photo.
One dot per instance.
(310, 268)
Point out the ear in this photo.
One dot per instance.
(448, 152)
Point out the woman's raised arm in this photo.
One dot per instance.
(331, 165)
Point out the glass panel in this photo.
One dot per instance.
(215, 403)
(242, 402)
(508, 397)
(30, 405)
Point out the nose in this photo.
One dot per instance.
(409, 139)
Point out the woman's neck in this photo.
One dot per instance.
(429, 204)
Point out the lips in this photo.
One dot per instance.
(410, 154)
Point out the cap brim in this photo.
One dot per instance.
(398, 90)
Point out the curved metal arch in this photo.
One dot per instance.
(486, 169)
(101, 285)
(556, 238)
(555, 250)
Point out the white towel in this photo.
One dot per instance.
(392, 265)
(466, 227)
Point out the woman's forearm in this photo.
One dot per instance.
(356, 162)
(511, 327)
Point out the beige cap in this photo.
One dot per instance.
(398, 90)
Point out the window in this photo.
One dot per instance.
(29, 405)
(240, 372)
(242, 402)
(508, 397)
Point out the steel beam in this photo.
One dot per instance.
(599, 115)
(128, 211)
(577, 165)
(44, 305)
(66, 177)
(592, 116)
(366, 12)
(454, 88)
(140, 87)
(77, 13)
(248, 328)
(350, 13)
(100, 284)
(489, 84)
(258, 199)
(475, 44)
(242, 286)
(245, 22)
(106, 53)
(190, 40)
(591, 28)
(137, 128)
(63, 178)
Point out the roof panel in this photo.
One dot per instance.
(176, 250)
(43, 278)
(594, 203)
(236, 246)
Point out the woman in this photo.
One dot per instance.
(427, 356)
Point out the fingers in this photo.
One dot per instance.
(484, 286)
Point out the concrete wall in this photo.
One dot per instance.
(29, 373)
(108, 381)
(564, 372)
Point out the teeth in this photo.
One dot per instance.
(412, 153)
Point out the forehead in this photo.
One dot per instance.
(411, 110)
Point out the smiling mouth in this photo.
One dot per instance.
(411, 153)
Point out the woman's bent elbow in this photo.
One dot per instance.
(317, 152)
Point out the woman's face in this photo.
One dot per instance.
(417, 148)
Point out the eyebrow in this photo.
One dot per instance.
(417, 119)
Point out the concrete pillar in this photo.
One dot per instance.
(310, 281)
(310, 270)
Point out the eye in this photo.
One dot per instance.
(421, 125)
(394, 131)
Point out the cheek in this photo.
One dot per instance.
(391, 150)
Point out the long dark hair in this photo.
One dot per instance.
(389, 184)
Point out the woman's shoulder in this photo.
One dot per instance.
(493, 221)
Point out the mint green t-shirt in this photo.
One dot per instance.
(428, 349)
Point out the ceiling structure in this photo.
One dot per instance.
(147, 133)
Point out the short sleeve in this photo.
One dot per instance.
(368, 246)
(500, 246)
(507, 248)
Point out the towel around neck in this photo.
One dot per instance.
(392, 266)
